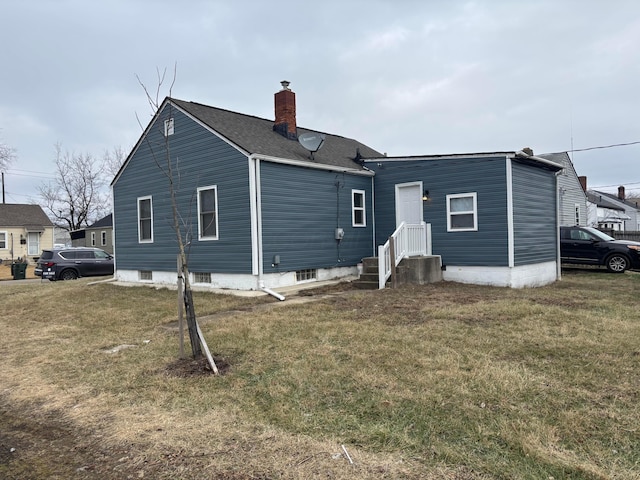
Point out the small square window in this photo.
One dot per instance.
(146, 275)
(462, 212)
(306, 275)
(201, 277)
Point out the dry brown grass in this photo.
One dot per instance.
(441, 381)
(5, 272)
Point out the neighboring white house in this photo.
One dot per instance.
(614, 212)
(572, 198)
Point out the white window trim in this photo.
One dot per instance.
(354, 209)
(93, 239)
(474, 196)
(169, 127)
(148, 240)
(103, 238)
(6, 240)
(217, 235)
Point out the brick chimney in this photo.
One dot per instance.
(621, 194)
(285, 106)
(583, 182)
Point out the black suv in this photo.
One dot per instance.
(588, 246)
(74, 262)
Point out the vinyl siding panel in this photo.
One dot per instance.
(199, 158)
(570, 195)
(534, 212)
(301, 208)
(485, 176)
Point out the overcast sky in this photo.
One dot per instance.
(404, 77)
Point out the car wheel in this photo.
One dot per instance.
(617, 263)
(68, 275)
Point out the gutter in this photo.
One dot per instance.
(522, 155)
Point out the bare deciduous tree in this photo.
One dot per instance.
(112, 161)
(7, 155)
(75, 198)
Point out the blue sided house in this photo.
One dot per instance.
(493, 216)
(265, 204)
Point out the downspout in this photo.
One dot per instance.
(373, 212)
(510, 232)
(256, 214)
(558, 255)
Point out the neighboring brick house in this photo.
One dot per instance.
(25, 230)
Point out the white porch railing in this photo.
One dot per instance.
(409, 240)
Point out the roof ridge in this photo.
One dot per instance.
(259, 118)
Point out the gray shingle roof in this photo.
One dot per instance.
(256, 136)
(612, 199)
(103, 222)
(22, 215)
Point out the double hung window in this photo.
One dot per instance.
(462, 212)
(358, 212)
(145, 220)
(208, 213)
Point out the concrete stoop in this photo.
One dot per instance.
(412, 270)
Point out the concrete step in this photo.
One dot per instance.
(368, 277)
(414, 270)
(365, 285)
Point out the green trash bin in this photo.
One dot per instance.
(19, 271)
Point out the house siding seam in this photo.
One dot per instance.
(199, 159)
(316, 202)
(535, 216)
(486, 176)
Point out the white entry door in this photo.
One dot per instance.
(33, 243)
(409, 203)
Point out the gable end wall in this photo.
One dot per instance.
(199, 159)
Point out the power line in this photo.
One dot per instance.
(605, 146)
(600, 147)
(617, 185)
(29, 174)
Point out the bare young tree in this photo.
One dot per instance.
(75, 198)
(168, 165)
(112, 161)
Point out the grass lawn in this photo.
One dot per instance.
(443, 381)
